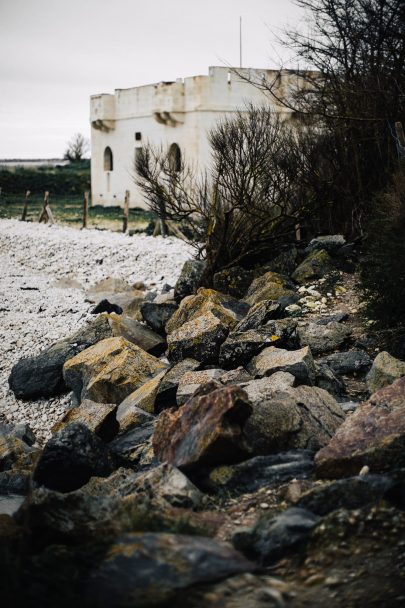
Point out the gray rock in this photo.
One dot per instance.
(166, 395)
(298, 418)
(240, 347)
(350, 493)
(326, 379)
(273, 537)
(42, 375)
(137, 333)
(338, 317)
(128, 447)
(385, 370)
(262, 388)
(70, 458)
(192, 380)
(261, 471)
(156, 315)
(200, 339)
(22, 431)
(170, 485)
(299, 363)
(189, 279)
(259, 314)
(349, 362)
(323, 338)
(331, 243)
(148, 569)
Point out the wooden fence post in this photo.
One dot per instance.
(25, 208)
(126, 212)
(85, 209)
(46, 213)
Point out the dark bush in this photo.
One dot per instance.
(383, 264)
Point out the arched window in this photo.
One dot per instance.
(174, 157)
(108, 159)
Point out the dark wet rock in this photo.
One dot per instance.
(337, 317)
(299, 418)
(70, 458)
(42, 375)
(349, 362)
(261, 471)
(299, 363)
(259, 314)
(330, 243)
(351, 493)
(110, 370)
(208, 430)
(234, 281)
(98, 417)
(15, 482)
(374, 435)
(128, 448)
(191, 381)
(148, 569)
(137, 333)
(108, 307)
(385, 370)
(189, 279)
(166, 394)
(323, 338)
(200, 339)
(240, 347)
(315, 266)
(157, 315)
(274, 537)
(270, 286)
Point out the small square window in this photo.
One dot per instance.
(138, 136)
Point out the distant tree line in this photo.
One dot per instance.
(69, 179)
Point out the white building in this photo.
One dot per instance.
(177, 115)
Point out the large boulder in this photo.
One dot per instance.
(270, 286)
(137, 333)
(110, 370)
(200, 339)
(234, 281)
(100, 418)
(189, 279)
(299, 418)
(315, 266)
(262, 388)
(330, 243)
(156, 314)
(384, 371)
(207, 430)
(71, 457)
(299, 363)
(228, 309)
(42, 375)
(374, 435)
(149, 569)
(323, 338)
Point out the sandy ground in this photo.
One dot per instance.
(37, 308)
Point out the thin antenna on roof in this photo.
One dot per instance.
(240, 42)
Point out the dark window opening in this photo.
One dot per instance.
(138, 136)
(175, 158)
(108, 159)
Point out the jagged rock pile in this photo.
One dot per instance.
(128, 499)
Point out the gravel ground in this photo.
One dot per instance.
(36, 308)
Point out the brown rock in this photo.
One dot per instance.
(137, 333)
(110, 370)
(98, 417)
(226, 308)
(374, 435)
(191, 381)
(207, 430)
(143, 398)
(166, 396)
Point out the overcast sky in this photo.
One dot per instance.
(56, 53)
